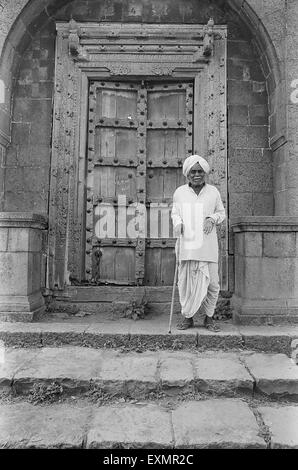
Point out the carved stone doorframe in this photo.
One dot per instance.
(89, 51)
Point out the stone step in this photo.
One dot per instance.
(77, 370)
(148, 334)
(215, 423)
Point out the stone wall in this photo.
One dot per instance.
(27, 167)
(28, 158)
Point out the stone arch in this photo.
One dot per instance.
(36, 13)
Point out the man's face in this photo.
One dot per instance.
(196, 175)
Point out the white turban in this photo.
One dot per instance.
(189, 162)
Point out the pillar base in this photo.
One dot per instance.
(258, 312)
(21, 271)
(23, 317)
(266, 269)
(21, 308)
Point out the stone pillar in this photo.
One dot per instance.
(287, 172)
(266, 270)
(20, 265)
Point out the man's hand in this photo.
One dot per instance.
(178, 230)
(208, 225)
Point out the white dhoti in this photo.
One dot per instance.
(198, 286)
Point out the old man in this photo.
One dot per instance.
(197, 209)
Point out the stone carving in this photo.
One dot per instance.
(75, 49)
(209, 38)
(120, 69)
(140, 69)
(161, 69)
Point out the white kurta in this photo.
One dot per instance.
(209, 199)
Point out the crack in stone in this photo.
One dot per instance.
(264, 430)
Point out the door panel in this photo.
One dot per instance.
(169, 139)
(139, 134)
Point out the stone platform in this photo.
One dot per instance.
(136, 375)
(147, 334)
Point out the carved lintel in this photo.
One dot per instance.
(76, 51)
(208, 41)
(156, 69)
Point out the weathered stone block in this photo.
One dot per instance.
(73, 367)
(25, 200)
(275, 374)
(277, 278)
(42, 90)
(240, 49)
(22, 109)
(276, 246)
(137, 374)
(253, 244)
(35, 177)
(257, 136)
(238, 136)
(266, 338)
(24, 425)
(283, 426)
(18, 240)
(14, 179)
(176, 372)
(235, 69)
(248, 155)
(240, 92)
(249, 177)
(240, 204)
(255, 71)
(13, 273)
(130, 426)
(20, 133)
(258, 114)
(222, 374)
(238, 114)
(216, 424)
(262, 204)
(37, 155)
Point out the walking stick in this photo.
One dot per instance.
(174, 284)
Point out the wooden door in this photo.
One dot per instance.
(169, 140)
(139, 134)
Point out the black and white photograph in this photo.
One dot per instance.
(148, 229)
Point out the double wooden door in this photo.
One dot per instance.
(138, 136)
